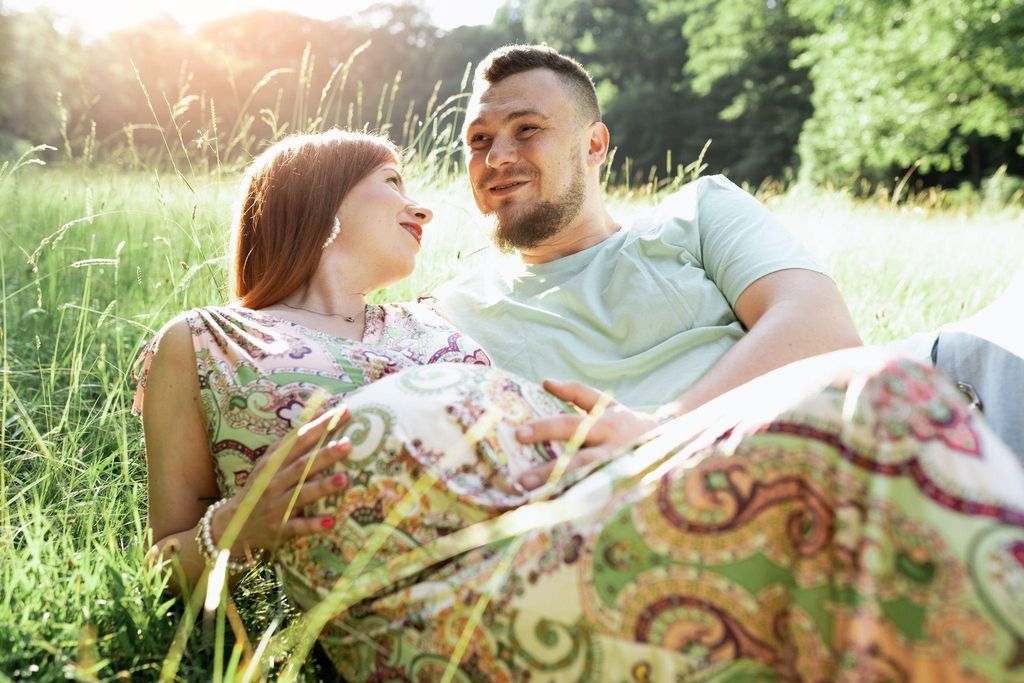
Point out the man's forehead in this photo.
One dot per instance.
(540, 91)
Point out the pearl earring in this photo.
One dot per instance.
(334, 233)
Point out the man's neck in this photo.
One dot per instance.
(584, 232)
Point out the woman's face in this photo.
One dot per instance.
(381, 227)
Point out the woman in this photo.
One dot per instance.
(302, 325)
(869, 528)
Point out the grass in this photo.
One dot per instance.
(908, 269)
(94, 261)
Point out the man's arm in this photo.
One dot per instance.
(790, 314)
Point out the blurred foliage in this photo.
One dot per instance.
(35, 65)
(934, 84)
(847, 93)
(744, 51)
(635, 62)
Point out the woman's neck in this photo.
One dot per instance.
(333, 302)
(330, 291)
(334, 310)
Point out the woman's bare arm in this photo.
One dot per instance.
(182, 482)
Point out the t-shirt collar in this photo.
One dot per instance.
(568, 266)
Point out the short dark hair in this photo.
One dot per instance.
(515, 59)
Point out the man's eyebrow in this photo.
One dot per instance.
(511, 116)
(520, 113)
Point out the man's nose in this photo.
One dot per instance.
(503, 151)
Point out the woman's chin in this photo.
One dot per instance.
(407, 270)
(394, 274)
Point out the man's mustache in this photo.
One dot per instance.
(515, 173)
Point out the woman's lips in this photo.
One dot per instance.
(415, 230)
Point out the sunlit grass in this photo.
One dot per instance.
(908, 269)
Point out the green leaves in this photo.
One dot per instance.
(899, 84)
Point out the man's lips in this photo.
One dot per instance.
(413, 229)
(506, 187)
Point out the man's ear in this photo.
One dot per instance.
(599, 141)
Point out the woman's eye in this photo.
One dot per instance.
(396, 180)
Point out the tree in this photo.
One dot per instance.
(37, 65)
(673, 74)
(743, 52)
(635, 57)
(922, 84)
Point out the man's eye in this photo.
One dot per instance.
(478, 140)
(528, 128)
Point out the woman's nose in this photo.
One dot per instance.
(424, 214)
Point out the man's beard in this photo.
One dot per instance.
(526, 227)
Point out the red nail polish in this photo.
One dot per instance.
(339, 480)
(327, 522)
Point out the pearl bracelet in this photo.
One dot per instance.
(204, 540)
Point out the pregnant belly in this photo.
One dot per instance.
(434, 450)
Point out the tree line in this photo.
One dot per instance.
(830, 92)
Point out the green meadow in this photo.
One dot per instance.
(95, 259)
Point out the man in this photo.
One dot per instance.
(681, 307)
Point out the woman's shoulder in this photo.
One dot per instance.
(174, 338)
(188, 324)
(172, 350)
(169, 353)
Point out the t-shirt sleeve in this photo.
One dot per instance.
(467, 301)
(430, 303)
(740, 240)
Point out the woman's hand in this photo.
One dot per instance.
(616, 427)
(283, 482)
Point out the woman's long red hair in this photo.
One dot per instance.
(292, 194)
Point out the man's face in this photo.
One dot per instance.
(525, 156)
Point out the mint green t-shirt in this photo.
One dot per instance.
(642, 314)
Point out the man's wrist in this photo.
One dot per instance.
(670, 411)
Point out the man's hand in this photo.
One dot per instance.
(616, 427)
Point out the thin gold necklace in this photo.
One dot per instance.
(346, 318)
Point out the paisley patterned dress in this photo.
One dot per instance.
(257, 371)
(864, 526)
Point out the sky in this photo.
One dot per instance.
(99, 17)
